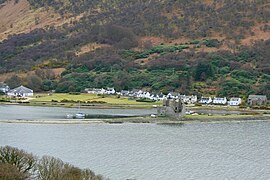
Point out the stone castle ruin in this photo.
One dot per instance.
(174, 108)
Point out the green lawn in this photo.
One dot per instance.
(88, 97)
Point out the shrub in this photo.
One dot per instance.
(212, 43)
(145, 100)
(74, 93)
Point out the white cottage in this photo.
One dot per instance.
(173, 95)
(205, 100)
(20, 92)
(110, 91)
(219, 100)
(235, 101)
(124, 93)
(95, 91)
(189, 99)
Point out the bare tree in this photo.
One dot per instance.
(53, 168)
(23, 161)
(10, 172)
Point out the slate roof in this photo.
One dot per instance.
(21, 90)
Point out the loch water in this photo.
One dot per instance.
(149, 151)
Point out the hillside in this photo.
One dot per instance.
(203, 47)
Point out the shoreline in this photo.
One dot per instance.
(84, 106)
(139, 106)
(144, 120)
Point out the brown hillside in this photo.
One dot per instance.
(16, 18)
(259, 34)
(3, 77)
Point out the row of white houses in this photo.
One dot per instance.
(191, 99)
(235, 101)
(253, 100)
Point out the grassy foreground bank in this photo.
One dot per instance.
(84, 100)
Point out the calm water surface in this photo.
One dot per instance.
(13, 112)
(152, 152)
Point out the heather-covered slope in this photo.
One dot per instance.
(214, 46)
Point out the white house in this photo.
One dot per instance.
(235, 101)
(219, 100)
(20, 92)
(95, 91)
(173, 95)
(4, 87)
(124, 93)
(205, 100)
(189, 99)
(161, 97)
(143, 94)
(110, 91)
(136, 93)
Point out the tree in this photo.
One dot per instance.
(23, 161)
(10, 172)
(121, 80)
(14, 81)
(53, 168)
(203, 71)
(45, 74)
(17, 164)
(34, 82)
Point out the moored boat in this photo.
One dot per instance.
(80, 115)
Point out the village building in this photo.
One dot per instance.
(173, 95)
(124, 93)
(110, 91)
(95, 91)
(135, 93)
(20, 91)
(161, 97)
(144, 95)
(189, 99)
(257, 100)
(157, 97)
(4, 88)
(235, 101)
(205, 100)
(220, 101)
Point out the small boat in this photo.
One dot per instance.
(190, 112)
(69, 116)
(80, 115)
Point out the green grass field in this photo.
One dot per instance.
(114, 100)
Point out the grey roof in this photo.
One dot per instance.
(174, 93)
(21, 90)
(262, 97)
